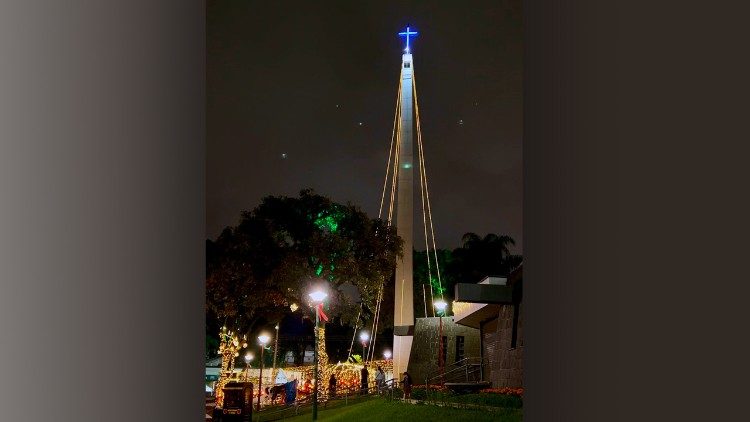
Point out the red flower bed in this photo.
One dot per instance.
(504, 390)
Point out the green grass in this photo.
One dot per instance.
(481, 399)
(384, 410)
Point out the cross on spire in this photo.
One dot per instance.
(406, 34)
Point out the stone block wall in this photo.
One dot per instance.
(423, 361)
(505, 364)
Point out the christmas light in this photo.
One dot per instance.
(229, 347)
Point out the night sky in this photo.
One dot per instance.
(276, 72)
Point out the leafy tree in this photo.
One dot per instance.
(476, 258)
(479, 257)
(423, 282)
(282, 248)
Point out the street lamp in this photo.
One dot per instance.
(440, 305)
(262, 340)
(317, 297)
(364, 337)
(387, 354)
(248, 359)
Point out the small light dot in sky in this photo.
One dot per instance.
(337, 106)
(360, 123)
(461, 122)
(283, 156)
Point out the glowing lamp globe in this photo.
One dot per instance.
(441, 305)
(263, 339)
(364, 337)
(387, 354)
(248, 357)
(318, 296)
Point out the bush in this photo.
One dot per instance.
(491, 399)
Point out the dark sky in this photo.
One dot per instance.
(277, 69)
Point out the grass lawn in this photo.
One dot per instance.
(384, 410)
(484, 399)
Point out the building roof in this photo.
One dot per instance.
(481, 301)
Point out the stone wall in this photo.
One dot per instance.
(423, 361)
(505, 364)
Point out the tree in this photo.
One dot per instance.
(256, 270)
(476, 258)
(427, 279)
(479, 257)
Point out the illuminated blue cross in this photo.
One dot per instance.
(406, 34)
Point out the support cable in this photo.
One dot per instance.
(376, 322)
(356, 325)
(422, 188)
(396, 162)
(390, 150)
(424, 170)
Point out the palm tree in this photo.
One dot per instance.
(479, 257)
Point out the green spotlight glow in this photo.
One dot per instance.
(436, 285)
(328, 221)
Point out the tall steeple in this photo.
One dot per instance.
(403, 320)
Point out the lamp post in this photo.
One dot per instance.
(248, 359)
(262, 340)
(275, 352)
(387, 355)
(317, 297)
(364, 337)
(440, 306)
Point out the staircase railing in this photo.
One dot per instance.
(465, 370)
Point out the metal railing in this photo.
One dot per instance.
(465, 370)
(343, 397)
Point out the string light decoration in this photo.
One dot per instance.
(324, 369)
(322, 355)
(349, 375)
(229, 349)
